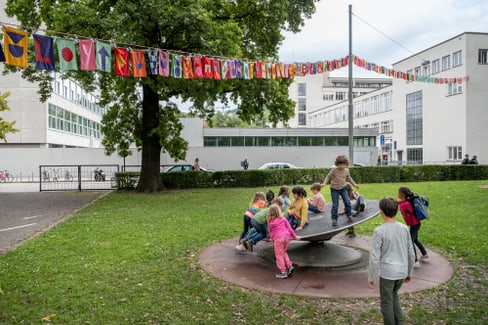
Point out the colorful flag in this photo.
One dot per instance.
(232, 69)
(121, 58)
(224, 69)
(152, 60)
(207, 67)
(269, 70)
(216, 69)
(239, 65)
(245, 69)
(259, 70)
(87, 55)
(252, 69)
(138, 63)
(163, 63)
(44, 50)
(104, 56)
(15, 42)
(176, 68)
(187, 67)
(197, 67)
(67, 54)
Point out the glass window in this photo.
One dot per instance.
(426, 70)
(455, 153)
(237, 141)
(436, 66)
(317, 141)
(302, 104)
(483, 56)
(457, 58)
(302, 89)
(446, 62)
(262, 141)
(418, 72)
(414, 156)
(414, 118)
(340, 95)
(302, 119)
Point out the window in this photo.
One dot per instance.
(426, 70)
(455, 153)
(483, 56)
(454, 88)
(457, 58)
(446, 62)
(414, 118)
(418, 72)
(386, 126)
(302, 104)
(415, 156)
(302, 119)
(302, 89)
(436, 66)
(340, 95)
(328, 96)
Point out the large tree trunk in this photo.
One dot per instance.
(150, 179)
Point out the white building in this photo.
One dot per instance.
(427, 122)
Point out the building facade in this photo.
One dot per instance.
(423, 121)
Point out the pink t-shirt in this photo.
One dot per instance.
(280, 228)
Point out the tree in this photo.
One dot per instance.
(5, 127)
(141, 110)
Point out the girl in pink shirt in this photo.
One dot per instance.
(281, 233)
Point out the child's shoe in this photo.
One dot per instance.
(240, 247)
(351, 235)
(247, 244)
(289, 270)
(416, 264)
(281, 275)
(362, 207)
(349, 219)
(334, 222)
(423, 257)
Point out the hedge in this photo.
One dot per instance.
(277, 177)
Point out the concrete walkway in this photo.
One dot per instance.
(255, 271)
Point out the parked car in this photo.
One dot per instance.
(277, 165)
(185, 167)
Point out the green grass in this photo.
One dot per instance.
(133, 259)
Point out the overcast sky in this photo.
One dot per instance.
(415, 24)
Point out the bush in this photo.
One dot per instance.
(276, 177)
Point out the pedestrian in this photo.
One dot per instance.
(466, 160)
(245, 163)
(339, 176)
(406, 209)
(281, 233)
(196, 165)
(474, 160)
(391, 253)
(316, 204)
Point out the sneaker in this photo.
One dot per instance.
(290, 270)
(281, 275)
(351, 235)
(362, 206)
(416, 264)
(349, 219)
(334, 223)
(423, 257)
(240, 247)
(247, 244)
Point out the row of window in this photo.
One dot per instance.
(295, 141)
(341, 95)
(366, 107)
(439, 65)
(70, 90)
(63, 120)
(383, 126)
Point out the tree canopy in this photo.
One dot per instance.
(142, 110)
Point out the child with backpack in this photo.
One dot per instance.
(406, 208)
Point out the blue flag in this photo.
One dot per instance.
(44, 49)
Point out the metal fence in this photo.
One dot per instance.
(77, 177)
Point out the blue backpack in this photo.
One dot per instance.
(420, 205)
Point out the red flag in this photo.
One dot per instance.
(87, 55)
(121, 62)
(207, 67)
(259, 70)
(187, 67)
(138, 63)
(197, 67)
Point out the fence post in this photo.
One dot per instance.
(79, 178)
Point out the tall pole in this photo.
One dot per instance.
(351, 109)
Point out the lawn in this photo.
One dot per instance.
(133, 259)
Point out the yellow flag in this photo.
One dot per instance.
(15, 42)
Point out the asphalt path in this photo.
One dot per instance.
(25, 212)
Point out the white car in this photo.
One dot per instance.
(277, 165)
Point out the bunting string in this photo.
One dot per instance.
(83, 53)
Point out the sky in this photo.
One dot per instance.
(410, 27)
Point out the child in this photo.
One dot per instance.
(392, 252)
(284, 194)
(259, 230)
(317, 203)
(357, 205)
(281, 233)
(406, 209)
(338, 177)
(269, 197)
(297, 212)
(258, 203)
